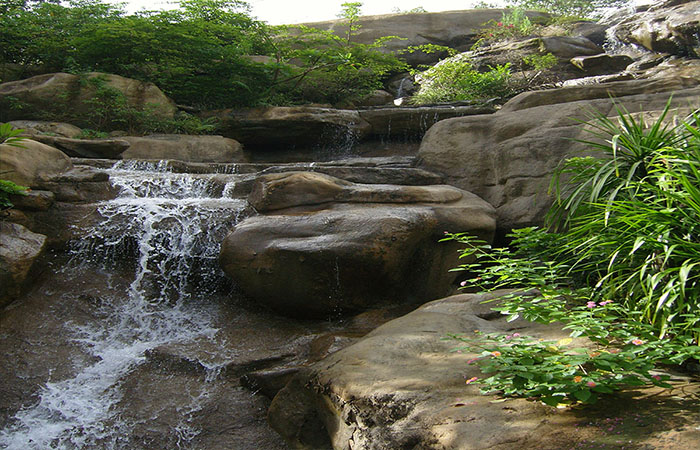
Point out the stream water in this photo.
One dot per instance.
(164, 229)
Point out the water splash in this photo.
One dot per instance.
(171, 225)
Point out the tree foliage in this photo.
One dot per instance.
(569, 8)
(201, 54)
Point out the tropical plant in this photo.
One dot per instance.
(623, 270)
(10, 135)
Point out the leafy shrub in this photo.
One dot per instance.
(12, 137)
(456, 80)
(513, 24)
(624, 271)
(570, 8)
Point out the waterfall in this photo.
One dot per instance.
(167, 227)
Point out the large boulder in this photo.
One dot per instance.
(287, 128)
(668, 27)
(507, 158)
(19, 249)
(67, 97)
(32, 163)
(402, 387)
(456, 29)
(86, 148)
(326, 246)
(184, 148)
(38, 127)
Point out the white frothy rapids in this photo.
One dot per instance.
(174, 223)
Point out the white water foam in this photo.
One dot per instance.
(176, 224)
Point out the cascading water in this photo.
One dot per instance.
(172, 225)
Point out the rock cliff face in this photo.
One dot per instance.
(507, 158)
(456, 29)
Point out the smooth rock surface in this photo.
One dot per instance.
(184, 148)
(332, 246)
(402, 387)
(32, 163)
(86, 148)
(507, 158)
(19, 249)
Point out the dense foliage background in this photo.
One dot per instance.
(206, 53)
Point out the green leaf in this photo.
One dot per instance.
(582, 395)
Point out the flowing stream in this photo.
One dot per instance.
(166, 228)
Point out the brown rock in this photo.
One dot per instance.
(339, 255)
(184, 148)
(288, 128)
(403, 386)
(86, 148)
(507, 158)
(32, 163)
(65, 95)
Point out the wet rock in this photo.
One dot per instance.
(287, 128)
(19, 249)
(184, 148)
(66, 95)
(268, 382)
(512, 154)
(79, 185)
(86, 148)
(411, 123)
(601, 64)
(325, 234)
(32, 163)
(667, 27)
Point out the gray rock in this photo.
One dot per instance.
(668, 27)
(456, 29)
(19, 249)
(601, 64)
(377, 98)
(288, 128)
(411, 123)
(34, 127)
